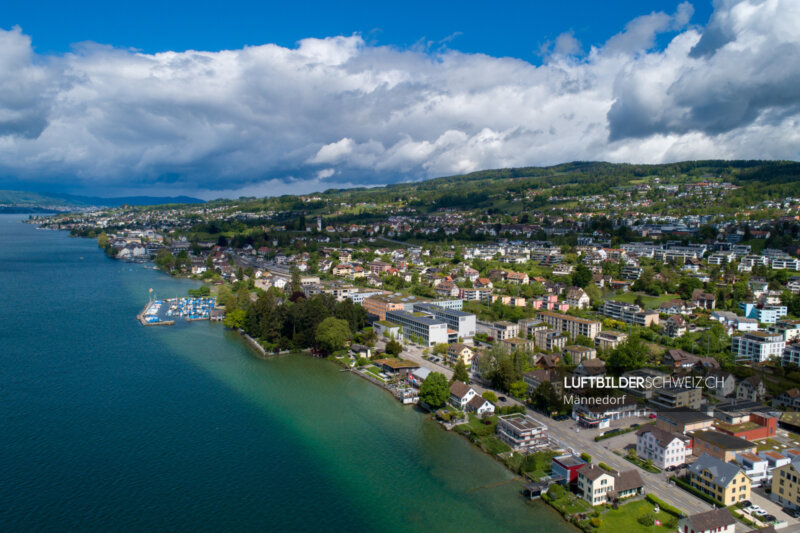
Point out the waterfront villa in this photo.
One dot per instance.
(598, 486)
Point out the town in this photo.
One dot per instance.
(625, 338)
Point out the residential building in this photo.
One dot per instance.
(577, 298)
(791, 354)
(754, 466)
(786, 484)
(661, 447)
(601, 416)
(629, 313)
(675, 326)
(550, 340)
(480, 406)
(724, 482)
(522, 432)
(751, 389)
(679, 359)
(757, 347)
(574, 326)
(675, 397)
(578, 353)
(608, 340)
(597, 486)
(498, 330)
(461, 394)
(459, 351)
(514, 344)
(715, 521)
(704, 299)
(591, 367)
(766, 314)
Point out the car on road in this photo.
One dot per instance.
(502, 398)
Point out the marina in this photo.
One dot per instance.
(165, 312)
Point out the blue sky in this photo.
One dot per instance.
(516, 29)
(230, 99)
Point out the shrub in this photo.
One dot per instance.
(646, 520)
(596, 522)
(555, 492)
(586, 457)
(605, 467)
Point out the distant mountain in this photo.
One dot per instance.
(25, 201)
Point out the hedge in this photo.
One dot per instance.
(664, 506)
(688, 488)
(586, 457)
(605, 467)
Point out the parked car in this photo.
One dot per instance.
(769, 518)
(760, 512)
(502, 398)
(745, 503)
(653, 415)
(671, 468)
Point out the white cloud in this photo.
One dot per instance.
(336, 111)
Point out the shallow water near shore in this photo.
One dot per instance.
(108, 425)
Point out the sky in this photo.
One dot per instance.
(244, 98)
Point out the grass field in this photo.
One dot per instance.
(650, 302)
(626, 519)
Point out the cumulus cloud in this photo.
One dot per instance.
(337, 111)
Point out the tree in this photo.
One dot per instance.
(489, 396)
(434, 391)
(235, 319)
(393, 348)
(332, 333)
(630, 355)
(164, 260)
(518, 389)
(294, 285)
(460, 372)
(582, 276)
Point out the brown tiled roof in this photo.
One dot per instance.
(459, 389)
(711, 520)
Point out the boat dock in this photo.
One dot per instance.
(165, 312)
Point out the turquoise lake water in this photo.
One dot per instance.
(106, 425)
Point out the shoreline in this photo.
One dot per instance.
(261, 353)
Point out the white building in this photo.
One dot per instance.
(662, 447)
(757, 346)
(754, 466)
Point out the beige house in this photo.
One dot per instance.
(725, 482)
(786, 484)
(460, 351)
(598, 486)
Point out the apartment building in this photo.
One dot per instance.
(725, 482)
(629, 313)
(571, 325)
(675, 397)
(662, 447)
(608, 340)
(786, 484)
(521, 432)
(757, 346)
(498, 330)
(720, 445)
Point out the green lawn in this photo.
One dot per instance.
(626, 518)
(650, 302)
(642, 464)
(570, 504)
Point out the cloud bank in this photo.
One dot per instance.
(337, 112)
